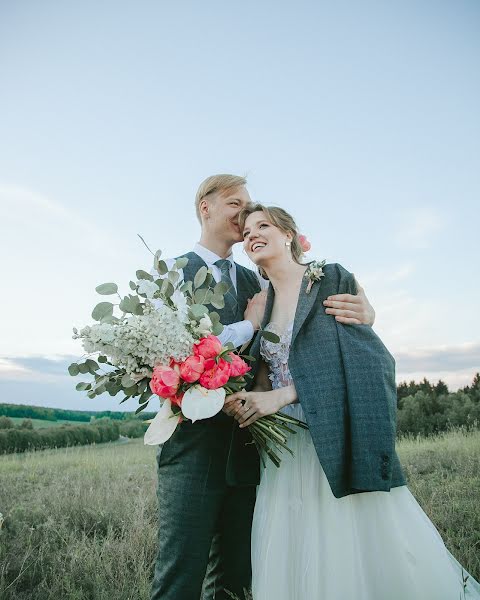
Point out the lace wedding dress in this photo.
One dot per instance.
(309, 545)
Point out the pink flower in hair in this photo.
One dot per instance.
(304, 243)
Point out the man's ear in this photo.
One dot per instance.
(204, 208)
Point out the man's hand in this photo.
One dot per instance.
(256, 309)
(247, 407)
(350, 309)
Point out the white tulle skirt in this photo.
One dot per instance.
(309, 545)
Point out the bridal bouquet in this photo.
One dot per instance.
(164, 343)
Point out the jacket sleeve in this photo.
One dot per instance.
(369, 370)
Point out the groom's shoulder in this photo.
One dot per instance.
(340, 278)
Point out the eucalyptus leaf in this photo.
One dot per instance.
(91, 394)
(181, 262)
(132, 390)
(102, 309)
(107, 288)
(198, 311)
(142, 384)
(113, 388)
(83, 368)
(145, 395)
(127, 381)
(200, 296)
(143, 275)
(133, 285)
(209, 279)
(217, 302)
(108, 319)
(139, 309)
(270, 336)
(217, 329)
(73, 369)
(200, 277)
(186, 287)
(125, 304)
(92, 365)
(221, 288)
(101, 389)
(173, 277)
(167, 288)
(102, 359)
(82, 386)
(161, 267)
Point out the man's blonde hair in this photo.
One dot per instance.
(217, 183)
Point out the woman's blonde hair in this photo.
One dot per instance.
(281, 219)
(217, 183)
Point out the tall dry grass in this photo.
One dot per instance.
(80, 523)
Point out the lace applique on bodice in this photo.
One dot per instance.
(276, 356)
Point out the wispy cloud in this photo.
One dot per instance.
(455, 365)
(418, 228)
(18, 203)
(34, 368)
(447, 358)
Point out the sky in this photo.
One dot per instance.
(361, 119)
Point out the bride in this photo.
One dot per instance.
(337, 521)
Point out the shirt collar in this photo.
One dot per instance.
(208, 256)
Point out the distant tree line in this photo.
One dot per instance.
(24, 411)
(22, 437)
(423, 409)
(427, 409)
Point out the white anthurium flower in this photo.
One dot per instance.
(162, 426)
(204, 325)
(180, 302)
(200, 403)
(147, 287)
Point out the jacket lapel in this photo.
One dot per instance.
(304, 305)
(268, 305)
(255, 347)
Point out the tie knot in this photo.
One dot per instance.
(224, 265)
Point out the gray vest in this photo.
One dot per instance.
(247, 285)
(243, 463)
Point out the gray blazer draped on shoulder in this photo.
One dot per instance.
(345, 382)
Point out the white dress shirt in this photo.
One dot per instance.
(237, 333)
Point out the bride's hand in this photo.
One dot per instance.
(351, 309)
(247, 407)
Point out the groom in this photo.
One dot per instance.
(205, 505)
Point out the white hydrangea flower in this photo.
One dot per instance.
(139, 342)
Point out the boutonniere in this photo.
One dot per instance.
(314, 273)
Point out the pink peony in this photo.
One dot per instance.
(304, 243)
(238, 366)
(192, 368)
(215, 375)
(165, 381)
(208, 347)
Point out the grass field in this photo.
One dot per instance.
(80, 523)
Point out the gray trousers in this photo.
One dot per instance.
(203, 522)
